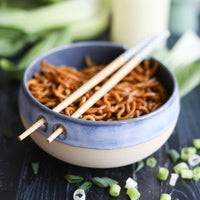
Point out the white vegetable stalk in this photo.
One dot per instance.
(173, 179)
(79, 194)
(194, 160)
(130, 183)
(188, 44)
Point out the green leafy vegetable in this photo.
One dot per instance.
(182, 60)
(73, 178)
(84, 29)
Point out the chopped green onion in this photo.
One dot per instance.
(151, 162)
(130, 183)
(187, 152)
(110, 181)
(104, 181)
(196, 143)
(35, 167)
(79, 194)
(194, 160)
(173, 179)
(140, 165)
(73, 178)
(163, 173)
(85, 186)
(179, 167)
(173, 155)
(133, 193)
(165, 197)
(114, 190)
(8, 134)
(186, 174)
(196, 173)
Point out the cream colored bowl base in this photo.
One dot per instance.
(99, 158)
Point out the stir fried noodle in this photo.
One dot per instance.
(137, 94)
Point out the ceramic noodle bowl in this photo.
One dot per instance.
(98, 144)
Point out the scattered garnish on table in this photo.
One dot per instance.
(165, 197)
(181, 170)
(196, 173)
(103, 182)
(85, 186)
(163, 173)
(73, 178)
(35, 167)
(133, 193)
(114, 190)
(139, 165)
(130, 183)
(186, 174)
(196, 143)
(180, 166)
(79, 194)
(151, 162)
(186, 152)
(173, 155)
(173, 179)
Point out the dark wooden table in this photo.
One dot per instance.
(17, 180)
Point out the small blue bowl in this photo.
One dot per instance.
(98, 144)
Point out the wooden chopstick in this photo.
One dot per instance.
(118, 76)
(108, 70)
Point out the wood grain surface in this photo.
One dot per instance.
(17, 180)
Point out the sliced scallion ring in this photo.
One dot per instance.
(79, 194)
(163, 173)
(196, 143)
(173, 155)
(186, 152)
(196, 173)
(133, 193)
(179, 167)
(194, 160)
(165, 197)
(173, 179)
(186, 174)
(114, 190)
(151, 162)
(130, 183)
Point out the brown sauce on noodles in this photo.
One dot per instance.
(137, 94)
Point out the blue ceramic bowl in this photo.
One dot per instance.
(98, 144)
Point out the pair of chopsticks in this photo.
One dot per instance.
(130, 59)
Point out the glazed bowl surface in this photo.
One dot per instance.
(98, 144)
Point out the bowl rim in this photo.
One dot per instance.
(89, 122)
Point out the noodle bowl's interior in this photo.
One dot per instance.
(139, 93)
